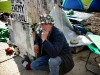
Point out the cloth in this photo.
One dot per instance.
(4, 35)
(56, 45)
(94, 48)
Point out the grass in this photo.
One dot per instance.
(5, 6)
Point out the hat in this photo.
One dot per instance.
(46, 19)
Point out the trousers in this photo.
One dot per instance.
(46, 63)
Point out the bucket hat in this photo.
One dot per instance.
(46, 19)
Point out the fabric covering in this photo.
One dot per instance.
(90, 5)
(94, 48)
(94, 6)
(3, 35)
(73, 4)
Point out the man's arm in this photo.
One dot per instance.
(36, 41)
(54, 48)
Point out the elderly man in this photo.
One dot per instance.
(53, 49)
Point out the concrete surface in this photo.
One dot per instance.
(13, 66)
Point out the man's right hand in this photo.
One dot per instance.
(36, 49)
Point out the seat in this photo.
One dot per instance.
(93, 48)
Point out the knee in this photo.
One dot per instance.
(54, 62)
(33, 66)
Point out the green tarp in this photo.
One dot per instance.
(3, 34)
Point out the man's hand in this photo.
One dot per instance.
(44, 35)
(36, 49)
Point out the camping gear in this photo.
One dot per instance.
(73, 4)
(70, 12)
(95, 39)
(66, 20)
(3, 35)
(90, 5)
(93, 48)
(78, 17)
(94, 5)
(80, 29)
(69, 34)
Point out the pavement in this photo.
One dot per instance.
(12, 65)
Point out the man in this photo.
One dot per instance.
(54, 51)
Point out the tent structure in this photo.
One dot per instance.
(90, 5)
(94, 5)
(73, 4)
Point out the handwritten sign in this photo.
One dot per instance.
(18, 10)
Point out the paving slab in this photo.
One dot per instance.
(14, 66)
(80, 61)
(3, 55)
(79, 69)
(11, 66)
(32, 72)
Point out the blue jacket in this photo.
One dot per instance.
(56, 45)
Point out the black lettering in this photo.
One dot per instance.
(18, 1)
(18, 8)
(12, 1)
(19, 17)
(22, 18)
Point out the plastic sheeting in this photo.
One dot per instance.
(70, 35)
(57, 14)
(23, 38)
(67, 28)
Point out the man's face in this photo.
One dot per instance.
(46, 27)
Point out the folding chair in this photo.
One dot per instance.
(95, 50)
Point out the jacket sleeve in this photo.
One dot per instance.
(54, 48)
(36, 41)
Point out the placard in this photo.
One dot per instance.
(18, 10)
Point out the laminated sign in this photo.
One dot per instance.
(18, 10)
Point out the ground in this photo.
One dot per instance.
(95, 23)
(13, 65)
